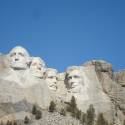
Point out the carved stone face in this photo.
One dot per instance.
(19, 58)
(75, 81)
(37, 67)
(51, 79)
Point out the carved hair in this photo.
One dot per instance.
(48, 70)
(39, 59)
(21, 48)
(72, 68)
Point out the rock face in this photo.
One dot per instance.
(110, 85)
(104, 73)
(18, 82)
(25, 81)
(120, 77)
(85, 86)
(51, 78)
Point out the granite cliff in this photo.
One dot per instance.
(26, 81)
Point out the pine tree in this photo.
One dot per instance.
(1, 123)
(83, 118)
(78, 114)
(63, 112)
(9, 123)
(14, 123)
(124, 122)
(34, 110)
(101, 120)
(38, 115)
(72, 108)
(52, 107)
(68, 107)
(90, 115)
(73, 104)
(111, 124)
(26, 120)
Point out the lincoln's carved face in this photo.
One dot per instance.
(51, 79)
(19, 58)
(75, 80)
(37, 67)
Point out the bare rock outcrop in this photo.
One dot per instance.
(25, 81)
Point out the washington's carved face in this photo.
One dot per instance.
(75, 80)
(37, 67)
(19, 58)
(51, 79)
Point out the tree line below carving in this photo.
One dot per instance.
(71, 109)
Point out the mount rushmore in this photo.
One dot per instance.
(26, 80)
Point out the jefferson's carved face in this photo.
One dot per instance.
(37, 63)
(19, 58)
(51, 79)
(37, 67)
(75, 80)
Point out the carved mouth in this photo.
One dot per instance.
(52, 86)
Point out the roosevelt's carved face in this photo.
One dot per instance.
(19, 58)
(75, 81)
(51, 79)
(37, 67)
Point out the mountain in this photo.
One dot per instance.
(26, 81)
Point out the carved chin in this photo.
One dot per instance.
(53, 88)
(18, 66)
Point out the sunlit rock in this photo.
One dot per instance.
(37, 67)
(84, 85)
(19, 58)
(51, 78)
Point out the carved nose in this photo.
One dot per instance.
(16, 58)
(54, 82)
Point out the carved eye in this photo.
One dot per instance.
(13, 54)
(75, 76)
(51, 77)
(21, 54)
(40, 64)
(34, 64)
(70, 77)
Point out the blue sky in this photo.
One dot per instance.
(65, 32)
